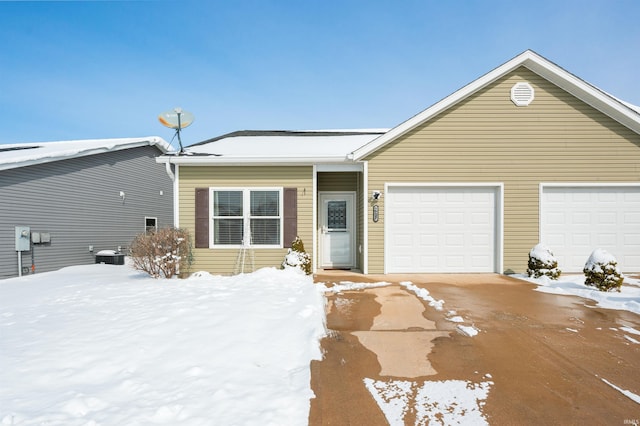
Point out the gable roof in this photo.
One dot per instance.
(277, 147)
(27, 154)
(625, 113)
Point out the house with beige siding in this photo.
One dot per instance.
(527, 153)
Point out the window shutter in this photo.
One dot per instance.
(202, 218)
(290, 216)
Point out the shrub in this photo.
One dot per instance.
(164, 253)
(297, 257)
(543, 262)
(601, 271)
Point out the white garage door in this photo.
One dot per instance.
(440, 229)
(577, 220)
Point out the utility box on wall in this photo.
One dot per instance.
(23, 238)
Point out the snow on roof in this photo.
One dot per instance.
(27, 154)
(274, 145)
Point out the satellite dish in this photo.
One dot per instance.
(178, 120)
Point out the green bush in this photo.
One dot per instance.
(601, 271)
(543, 262)
(164, 253)
(297, 257)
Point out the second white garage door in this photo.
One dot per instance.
(579, 219)
(441, 229)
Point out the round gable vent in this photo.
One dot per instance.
(522, 94)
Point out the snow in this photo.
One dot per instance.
(600, 257)
(423, 294)
(467, 330)
(542, 253)
(297, 144)
(625, 392)
(349, 286)
(25, 154)
(106, 253)
(628, 299)
(450, 402)
(105, 344)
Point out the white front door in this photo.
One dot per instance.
(337, 229)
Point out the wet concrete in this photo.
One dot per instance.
(546, 354)
(400, 336)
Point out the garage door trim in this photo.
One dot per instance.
(498, 187)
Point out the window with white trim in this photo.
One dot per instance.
(250, 216)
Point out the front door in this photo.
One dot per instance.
(337, 229)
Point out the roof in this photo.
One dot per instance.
(351, 146)
(620, 111)
(27, 154)
(277, 146)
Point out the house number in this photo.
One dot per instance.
(375, 213)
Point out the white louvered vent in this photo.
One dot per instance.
(522, 94)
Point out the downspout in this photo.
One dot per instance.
(172, 176)
(169, 171)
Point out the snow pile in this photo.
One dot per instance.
(104, 344)
(423, 294)
(450, 402)
(628, 299)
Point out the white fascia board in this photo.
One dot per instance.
(593, 96)
(340, 167)
(438, 107)
(251, 161)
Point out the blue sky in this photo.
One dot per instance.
(84, 70)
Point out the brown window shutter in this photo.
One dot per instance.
(202, 218)
(290, 216)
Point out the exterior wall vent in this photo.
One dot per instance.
(522, 94)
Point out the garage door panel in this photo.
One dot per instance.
(456, 228)
(453, 218)
(606, 240)
(577, 220)
(632, 218)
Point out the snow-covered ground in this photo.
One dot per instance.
(628, 299)
(105, 344)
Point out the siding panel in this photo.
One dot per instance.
(223, 261)
(486, 138)
(77, 201)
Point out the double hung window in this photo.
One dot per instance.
(247, 216)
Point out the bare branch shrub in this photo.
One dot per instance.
(164, 253)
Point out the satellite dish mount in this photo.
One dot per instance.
(178, 120)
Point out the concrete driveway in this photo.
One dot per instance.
(537, 358)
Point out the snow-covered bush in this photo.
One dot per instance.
(601, 271)
(164, 253)
(297, 257)
(543, 262)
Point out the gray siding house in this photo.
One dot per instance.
(77, 198)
